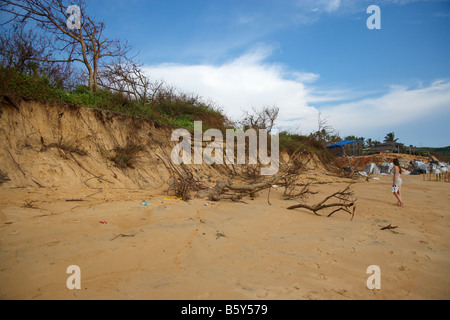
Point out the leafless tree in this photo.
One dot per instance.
(87, 45)
(127, 77)
(325, 133)
(261, 119)
(26, 52)
(20, 48)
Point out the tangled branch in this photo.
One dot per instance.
(226, 190)
(346, 201)
(181, 180)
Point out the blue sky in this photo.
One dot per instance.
(306, 57)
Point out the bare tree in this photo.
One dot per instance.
(261, 119)
(127, 77)
(19, 48)
(87, 45)
(325, 133)
(26, 52)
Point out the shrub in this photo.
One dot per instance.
(125, 156)
(169, 109)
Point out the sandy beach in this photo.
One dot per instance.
(191, 153)
(173, 249)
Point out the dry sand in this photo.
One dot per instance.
(171, 249)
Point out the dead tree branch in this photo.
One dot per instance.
(226, 190)
(182, 180)
(346, 201)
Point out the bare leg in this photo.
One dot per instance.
(399, 197)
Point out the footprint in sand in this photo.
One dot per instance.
(321, 277)
(257, 292)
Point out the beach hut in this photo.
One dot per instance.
(346, 148)
(390, 147)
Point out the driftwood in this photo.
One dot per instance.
(181, 180)
(124, 236)
(390, 227)
(344, 196)
(290, 192)
(225, 190)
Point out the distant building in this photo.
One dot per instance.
(346, 148)
(388, 147)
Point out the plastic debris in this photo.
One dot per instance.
(172, 198)
(220, 234)
(103, 222)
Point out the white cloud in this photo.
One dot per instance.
(309, 11)
(332, 5)
(319, 5)
(399, 107)
(246, 82)
(250, 81)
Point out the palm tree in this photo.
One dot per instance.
(390, 138)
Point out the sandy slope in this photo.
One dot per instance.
(267, 252)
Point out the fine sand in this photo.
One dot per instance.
(172, 249)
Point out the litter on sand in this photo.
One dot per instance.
(220, 234)
(172, 198)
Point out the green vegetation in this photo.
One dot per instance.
(443, 154)
(442, 151)
(169, 109)
(125, 157)
(291, 143)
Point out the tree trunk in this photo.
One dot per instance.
(91, 80)
(95, 71)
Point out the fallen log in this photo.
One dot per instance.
(226, 190)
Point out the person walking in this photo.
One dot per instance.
(397, 182)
